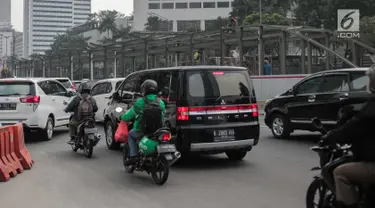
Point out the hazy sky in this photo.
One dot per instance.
(123, 6)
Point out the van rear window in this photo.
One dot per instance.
(218, 84)
(16, 88)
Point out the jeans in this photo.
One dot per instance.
(132, 142)
(73, 127)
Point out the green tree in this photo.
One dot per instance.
(324, 12)
(243, 8)
(154, 23)
(368, 30)
(107, 21)
(216, 24)
(123, 33)
(267, 18)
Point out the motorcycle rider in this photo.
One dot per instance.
(149, 90)
(74, 106)
(358, 132)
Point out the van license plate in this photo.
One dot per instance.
(162, 148)
(224, 135)
(8, 106)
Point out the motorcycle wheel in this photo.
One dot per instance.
(125, 156)
(325, 196)
(160, 172)
(75, 146)
(88, 148)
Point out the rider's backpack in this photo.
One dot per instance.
(85, 108)
(151, 116)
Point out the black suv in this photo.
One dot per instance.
(210, 109)
(322, 95)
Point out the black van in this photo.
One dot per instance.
(210, 109)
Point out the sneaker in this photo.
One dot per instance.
(72, 141)
(131, 160)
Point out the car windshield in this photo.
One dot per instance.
(16, 88)
(65, 82)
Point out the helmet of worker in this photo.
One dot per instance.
(85, 88)
(149, 87)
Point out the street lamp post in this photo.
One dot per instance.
(260, 11)
(6, 46)
(260, 44)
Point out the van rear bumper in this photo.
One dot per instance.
(221, 146)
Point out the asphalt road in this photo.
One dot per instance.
(275, 174)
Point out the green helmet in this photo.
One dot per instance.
(147, 146)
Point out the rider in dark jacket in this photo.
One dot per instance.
(357, 132)
(85, 91)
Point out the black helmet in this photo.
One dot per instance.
(85, 88)
(149, 87)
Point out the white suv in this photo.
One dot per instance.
(38, 103)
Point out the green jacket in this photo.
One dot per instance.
(135, 112)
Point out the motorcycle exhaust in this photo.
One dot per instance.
(97, 139)
(99, 136)
(177, 156)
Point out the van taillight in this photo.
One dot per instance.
(254, 108)
(182, 113)
(30, 99)
(73, 86)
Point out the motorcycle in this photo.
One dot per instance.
(155, 160)
(332, 156)
(87, 137)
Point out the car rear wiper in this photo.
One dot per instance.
(218, 98)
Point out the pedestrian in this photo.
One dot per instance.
(267, 67)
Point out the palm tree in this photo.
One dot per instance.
(123, 33)
(107, 21)
(92, 17)
(153, 23)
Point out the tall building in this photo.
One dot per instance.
(180, 13)
(44, 19)
(6, 39)
(5, 10)
(18, 44)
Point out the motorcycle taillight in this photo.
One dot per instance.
(166, 136)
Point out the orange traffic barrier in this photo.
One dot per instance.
(20, 148)
(5, 172)
(7, 154)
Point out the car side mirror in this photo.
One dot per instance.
(127, 97)
(292, 91)
(115, 96)
(70, 94)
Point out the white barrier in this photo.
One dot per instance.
(269, 86)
